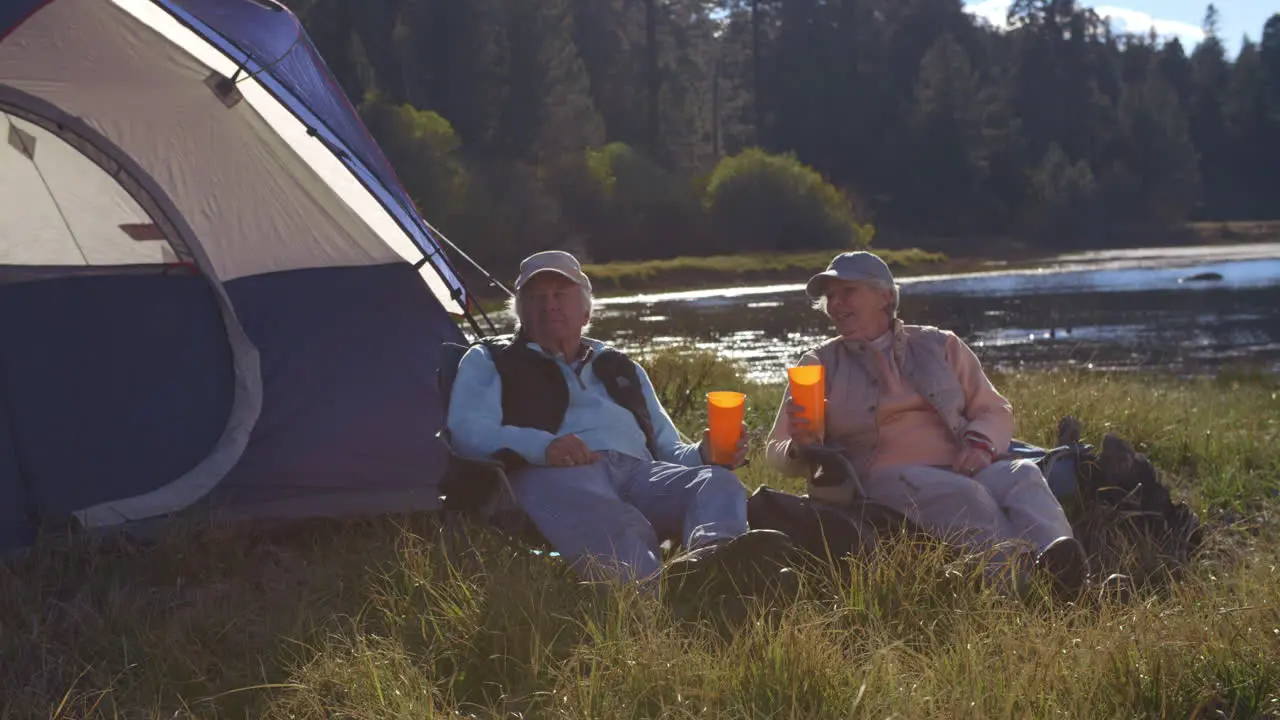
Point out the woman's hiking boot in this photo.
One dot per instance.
(1067, 564)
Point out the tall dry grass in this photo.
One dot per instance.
(383, 619)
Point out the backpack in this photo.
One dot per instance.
(1120, 505)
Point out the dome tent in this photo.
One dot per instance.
(214, 292)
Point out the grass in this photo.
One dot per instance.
(694, 272)
(378, 619)
(719, 270)
(1238, 231)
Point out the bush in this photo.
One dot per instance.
(682, 378)
(425, 147)
(758, 201)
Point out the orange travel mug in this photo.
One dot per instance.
(808, 390)
(725, 411)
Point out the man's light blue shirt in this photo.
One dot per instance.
(475, 415)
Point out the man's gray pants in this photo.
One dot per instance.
(608, 519)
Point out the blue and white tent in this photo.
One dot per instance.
(214, 292)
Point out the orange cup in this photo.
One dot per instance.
(725, 411)
(809, 392)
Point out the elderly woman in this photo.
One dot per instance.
(923, 428)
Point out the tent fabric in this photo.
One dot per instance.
(244, 321)
(148, 192)
(110, 159)
(271, 43)
(113, 387)
(89, 224)
(16, 528)
(13, 12)
(251, 197)
(350, 404)
(187, 488)
(275, 39)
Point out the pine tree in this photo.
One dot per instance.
(607, 34)
(548, 111)
(454, 57)
(1210, 77)
(1176, 68)
(1250, 129)
(951, 157)
(1159, 152)
(1269, 50)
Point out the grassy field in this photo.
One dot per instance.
(376, 620)
(723, 270)
(1239, 231)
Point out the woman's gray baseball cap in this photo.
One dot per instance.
(852, 266)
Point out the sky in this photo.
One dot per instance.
(1169, 17)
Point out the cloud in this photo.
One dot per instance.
(1140, 23)
(1122, 19)
(995, 12)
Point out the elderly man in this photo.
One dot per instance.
(595, 461)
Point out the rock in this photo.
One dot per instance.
(1202, 277)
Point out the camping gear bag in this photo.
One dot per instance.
(822, 529)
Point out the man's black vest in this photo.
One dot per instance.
(535, 393)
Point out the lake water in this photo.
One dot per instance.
(1103, 310)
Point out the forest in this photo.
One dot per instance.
(644, 129)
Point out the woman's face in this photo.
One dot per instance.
(858, 309)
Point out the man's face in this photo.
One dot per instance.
(554, 309)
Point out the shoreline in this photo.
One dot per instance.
(695, 273)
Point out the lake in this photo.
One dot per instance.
(1112, 310)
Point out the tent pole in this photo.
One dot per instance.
(456, 293)
(457, 297)
(492, 280)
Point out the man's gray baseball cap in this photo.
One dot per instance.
(556, 261)
(850, 266)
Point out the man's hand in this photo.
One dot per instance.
(739, 455)
(972, 460)
(568, 451)
(801, 430)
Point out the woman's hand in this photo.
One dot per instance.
(801, 430)
(973, 459)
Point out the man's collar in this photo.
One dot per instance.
(587, 347)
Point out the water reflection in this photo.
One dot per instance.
(1105, 311)
(1236, 275)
